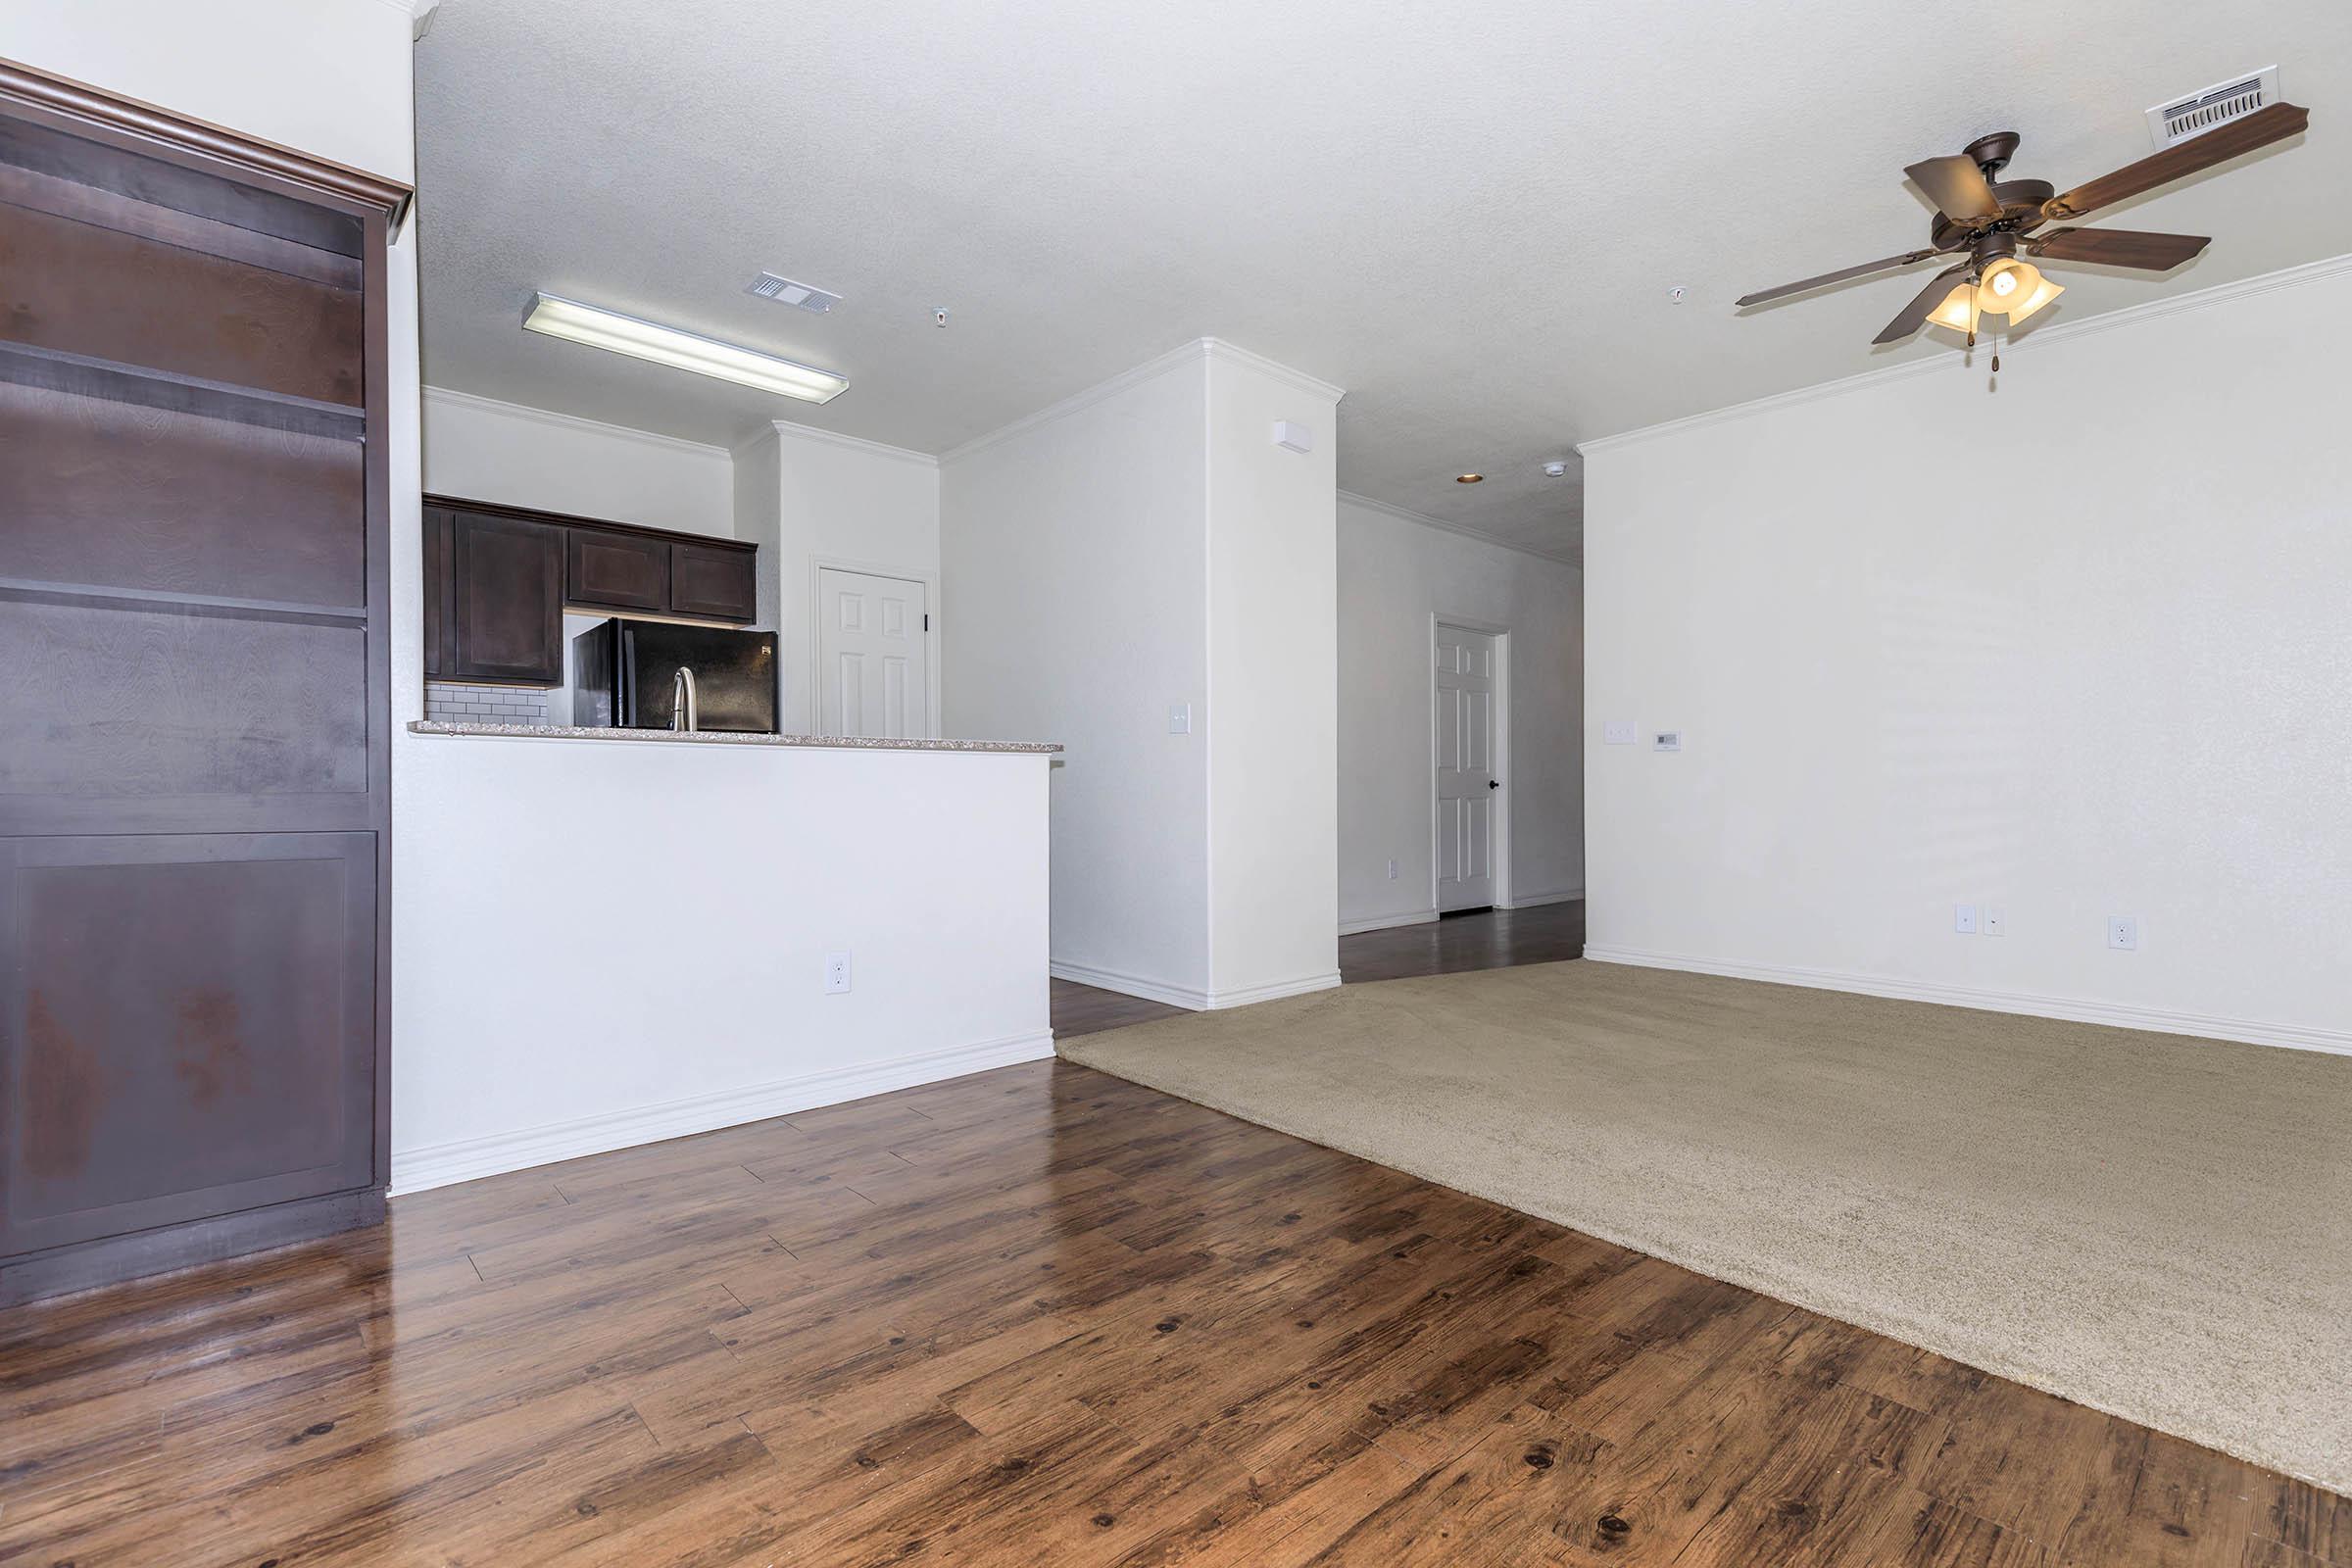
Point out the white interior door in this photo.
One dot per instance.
(872, 655)
(1467, 782)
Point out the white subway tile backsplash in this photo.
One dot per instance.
(494, 704)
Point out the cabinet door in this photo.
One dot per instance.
(507, 582)
(704, 581)
(187, 1028)
(438, 623)
(616, 570)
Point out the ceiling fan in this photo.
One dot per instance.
(1995, 226)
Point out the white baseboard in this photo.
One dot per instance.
(441, 1164)
(1185, 996)
(1131, 985)
(1528, 901)
(2121, 1015)
(1382, 922)
(1246, 994)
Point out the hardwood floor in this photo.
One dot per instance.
(1086, 1009)
(1492, 939)
(1042, 1316)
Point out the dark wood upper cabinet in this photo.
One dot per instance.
(498, 578)
(709, 581)
(613, 571)
(195, 805)
(506, 577)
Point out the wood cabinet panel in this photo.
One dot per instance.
(616, 570)
(507, 599)
(234, 1068)
(707, 581)
(104, 294)
(127, 699)
(111, 493)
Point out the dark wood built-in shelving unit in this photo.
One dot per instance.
(195, 725)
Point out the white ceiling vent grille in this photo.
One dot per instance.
(2177, 121)
(784, 291)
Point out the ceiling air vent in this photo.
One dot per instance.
(2177, 121)
(784, 291)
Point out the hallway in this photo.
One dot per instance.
(1487, 939)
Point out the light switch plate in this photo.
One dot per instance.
(1996, 920)
(1179, 719)
(1620, 732)
(1667, 740)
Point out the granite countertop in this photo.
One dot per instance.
(712, 737)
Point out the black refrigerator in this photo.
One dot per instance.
(625, 673)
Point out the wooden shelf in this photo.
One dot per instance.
(56, 370)
(166, 599)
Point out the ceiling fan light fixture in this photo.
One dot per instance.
(1958, 309)
(2008, 285)
(2044, 292)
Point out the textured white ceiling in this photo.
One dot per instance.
(1468, 215)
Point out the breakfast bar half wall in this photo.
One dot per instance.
(610, 938)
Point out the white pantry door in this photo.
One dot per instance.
(872, 652)
(1466, 779)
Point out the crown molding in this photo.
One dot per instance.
(2050, 337)
(1404, 514)
(1176, 358)
(1216, 347)
(452, 398)
(1200, 351)
(834, 438)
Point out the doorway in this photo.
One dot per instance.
(1470, 750)
(873, 658)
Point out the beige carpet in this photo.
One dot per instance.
(2157, 1226)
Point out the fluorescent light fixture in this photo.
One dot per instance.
(681, 351)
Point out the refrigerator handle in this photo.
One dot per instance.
(626, 703)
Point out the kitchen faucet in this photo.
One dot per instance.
(682, 713)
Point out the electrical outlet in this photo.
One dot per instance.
(1964, 919)
(1179, 719)
(1391, 870)
(2122, 932)
(1996, 920)
(837, 973)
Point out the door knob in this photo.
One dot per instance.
(1494, 784)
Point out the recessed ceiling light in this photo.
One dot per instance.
(679, 350)
(1469, 478)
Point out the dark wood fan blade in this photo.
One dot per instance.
(1956, 185)
(2118, 247)
(2218, 146)
(1888, 265)
(1915, 314)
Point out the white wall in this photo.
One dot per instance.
(1138, 547)
(327, 77)
(2074, 648)
(1078, 551)
(1396, 577)
(549, 1012)
(811, 498)
(1273, 682)
(483, 450)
